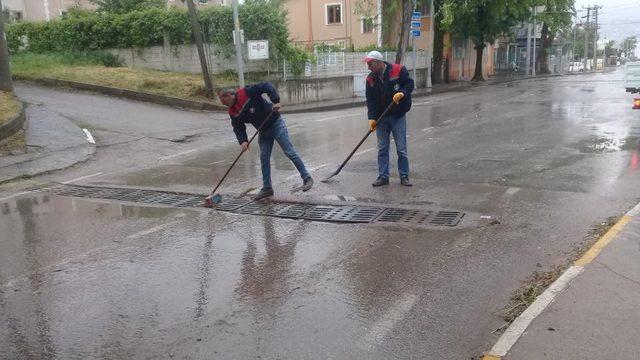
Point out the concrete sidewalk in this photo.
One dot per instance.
(597, 315)
(53, 143)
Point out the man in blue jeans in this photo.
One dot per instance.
(247, 106)
(389, 83)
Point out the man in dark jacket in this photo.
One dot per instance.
(247, 106)
(389, 83)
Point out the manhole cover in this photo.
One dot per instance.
(245, 205)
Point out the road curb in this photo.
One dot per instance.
(132, 94)
(513, 333)
(201, 105)
(13, 125)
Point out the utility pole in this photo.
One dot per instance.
(535, 36)
(528, 66)
(5, 69)
(575, 29)
(431, 37)
(197, 35)
(238, 40)
(595, 38)
(586, 38)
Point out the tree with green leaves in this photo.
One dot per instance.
(483, 21)
(609, 48)
(555, 17)
(629, 45)
(126, 6)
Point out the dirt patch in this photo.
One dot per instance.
(13, 145)
(9, 106)
(539, 281)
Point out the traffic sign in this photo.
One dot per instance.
(416, 15)
(416, 24)
(415, 33)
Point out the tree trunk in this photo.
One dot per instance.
(387, 20)
(477, 76)
(5, 69)
(403, 41)
(438, 48)
(542, 61)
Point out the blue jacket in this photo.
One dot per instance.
(395, 78)
(251, 108)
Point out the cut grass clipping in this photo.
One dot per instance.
(539, 281)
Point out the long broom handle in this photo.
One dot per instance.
(363, 139)
(242, 152)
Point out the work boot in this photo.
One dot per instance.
(264, 193)
(405, 181)
(380, 181)
(307, 184)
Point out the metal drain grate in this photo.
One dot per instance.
(245, 205)
(446, 218)
(352, 214)
(405, 216)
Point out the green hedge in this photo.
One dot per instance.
(97, 31)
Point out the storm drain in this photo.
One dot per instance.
(245, 205)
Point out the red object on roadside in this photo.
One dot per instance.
(636, 104)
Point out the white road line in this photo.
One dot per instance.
(15, 195)
(90, 138)
(387, 322)
(309, 170)
(328, 118)
(218, 162)
(428, 129)
(517, 328)
(511, 191)
(635, 211)
(150, 230)
(364, 151)
(178, 154)
(81, 178)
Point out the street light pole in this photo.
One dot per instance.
(431, 37)
(535, 35)
(238, 39)
(5, 69)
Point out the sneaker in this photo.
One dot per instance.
(380, 181)
(405, 181)
(264, 193)
(307, 184)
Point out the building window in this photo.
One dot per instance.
(334, 13)
(367, 25)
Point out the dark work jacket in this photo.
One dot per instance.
(251, 108)
(380, 91)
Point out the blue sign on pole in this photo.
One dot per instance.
(416, 15)
(416, 24)
(415, 33)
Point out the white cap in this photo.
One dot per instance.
(373, 55)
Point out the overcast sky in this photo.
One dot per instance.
(619, 18)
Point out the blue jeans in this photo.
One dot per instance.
(278, 132)
(398, 127)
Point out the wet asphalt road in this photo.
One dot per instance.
(79, 278)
